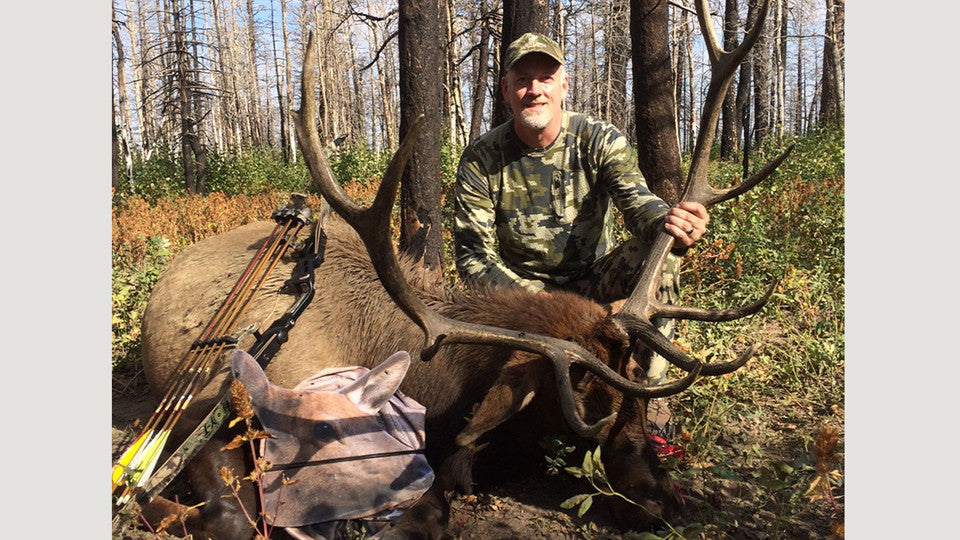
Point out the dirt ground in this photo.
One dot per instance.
(529, 508)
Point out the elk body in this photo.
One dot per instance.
(353, 321)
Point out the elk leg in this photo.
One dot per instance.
(513, 390)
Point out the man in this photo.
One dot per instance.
(533, 195)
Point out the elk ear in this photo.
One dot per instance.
(246, 370)
(513, 390)
(615, 343)
(372, 390)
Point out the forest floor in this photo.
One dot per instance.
(529, 508)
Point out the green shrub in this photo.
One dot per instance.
(256, 172)
(154, 178)
(359, 165)
(131, 286)
(249, 173)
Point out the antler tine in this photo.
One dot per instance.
(691, 313)
(652, 337)
(720, 195)
(366, 221)
(642, 305)
(372, 225)
(723, 65)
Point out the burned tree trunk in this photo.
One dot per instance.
(420, 83)
(519, 17)
(730, 120)
(762, 86)
(482, 72)
(616, 56)
(192, 151)
(831, 99)
(658, 151)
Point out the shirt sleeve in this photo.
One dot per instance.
(643, 212)
(474, 236)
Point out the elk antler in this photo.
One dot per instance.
(373, 226)
(642, 306)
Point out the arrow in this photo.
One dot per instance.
(126, 459)
(138, 461)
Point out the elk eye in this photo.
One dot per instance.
(323, 431)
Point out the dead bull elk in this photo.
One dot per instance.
(503, 358)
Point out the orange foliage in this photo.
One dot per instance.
(189, 219)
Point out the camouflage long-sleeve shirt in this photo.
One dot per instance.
(525, 216)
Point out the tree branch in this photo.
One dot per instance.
(380, 50)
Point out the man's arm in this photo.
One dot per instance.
(643, 212)
(474, 229)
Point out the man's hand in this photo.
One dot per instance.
(687, 222)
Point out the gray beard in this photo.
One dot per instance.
(534, 120)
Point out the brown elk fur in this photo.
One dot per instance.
(352, 321)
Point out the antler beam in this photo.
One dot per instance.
(643, 305)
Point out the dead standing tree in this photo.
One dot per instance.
(658, 152)
(486, 21)
(831, 100)
(453, 107)
(615, 58)
(519, 17)
(188, 101)
(121, 115)
(421, 61)
(762, 86)
(282, 83)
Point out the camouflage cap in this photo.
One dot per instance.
(531, 43)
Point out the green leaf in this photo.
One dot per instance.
(588, 464)
(585, 505)
(691, 530)
(725, 473)
(575, 500)
(784, 468)
(598, 465)
(577, 472)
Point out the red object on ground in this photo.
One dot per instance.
(665, 449)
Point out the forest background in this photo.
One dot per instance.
(57, 106)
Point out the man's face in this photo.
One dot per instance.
(535, 87)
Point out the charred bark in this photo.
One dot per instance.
(762, 86)
(519, 17)
(617, 54)
(658, 152)
(729, 126)
(482, 73)
(193, 154)
(421, 60)
(831, 99)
